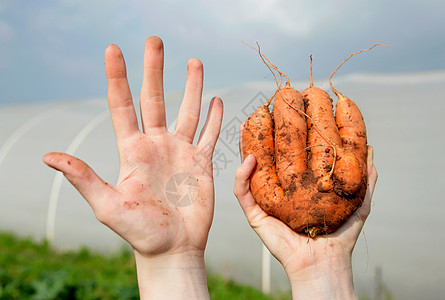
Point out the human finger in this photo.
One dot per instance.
(242, 189)
(82, 177)
(120, 101)
(356, 222)
(365, 209)
(240, 144)
(188, 116)
(275, 234)
(210, 131)
(372, 171)
(152, 92)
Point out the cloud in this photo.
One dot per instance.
(4, 5)
(92, 17)
(67, 37)
(291, 17)
(297, 18)
(6, 34)
(6, 31)
(399, 78)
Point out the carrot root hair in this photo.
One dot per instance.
(271, 68)
(310, 73)
(352, 54)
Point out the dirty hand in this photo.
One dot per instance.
(167, 229)
(317, 268)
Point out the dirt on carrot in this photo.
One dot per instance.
(311, 170)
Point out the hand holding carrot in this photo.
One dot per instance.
(317, 268)
(168, 239)
(311, 168)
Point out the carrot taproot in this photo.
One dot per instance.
(258, 140)
(323, 136)
(351, 168)
(290, 136)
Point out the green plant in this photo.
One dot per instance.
(32, 270)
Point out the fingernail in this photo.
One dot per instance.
(249, 158)
(216, 99)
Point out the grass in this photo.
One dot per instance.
(32, 270)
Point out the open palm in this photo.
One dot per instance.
(164, 198)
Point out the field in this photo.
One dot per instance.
(32, 270)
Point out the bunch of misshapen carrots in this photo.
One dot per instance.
(311, 170)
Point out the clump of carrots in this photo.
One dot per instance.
(311, 164)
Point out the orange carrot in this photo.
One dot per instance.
(323, 134)
(351, 168)
(290, 135)
(258, 140)
(311, 165)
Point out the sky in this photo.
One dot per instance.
(53, 49)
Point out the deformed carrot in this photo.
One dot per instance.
(311, 165)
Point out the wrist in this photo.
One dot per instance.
(330, 278)
(172, 276)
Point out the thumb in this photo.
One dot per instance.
(242, 180)
(80, 175)
(242, 190)
(357, 220)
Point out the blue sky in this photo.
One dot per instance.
(53, 49)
